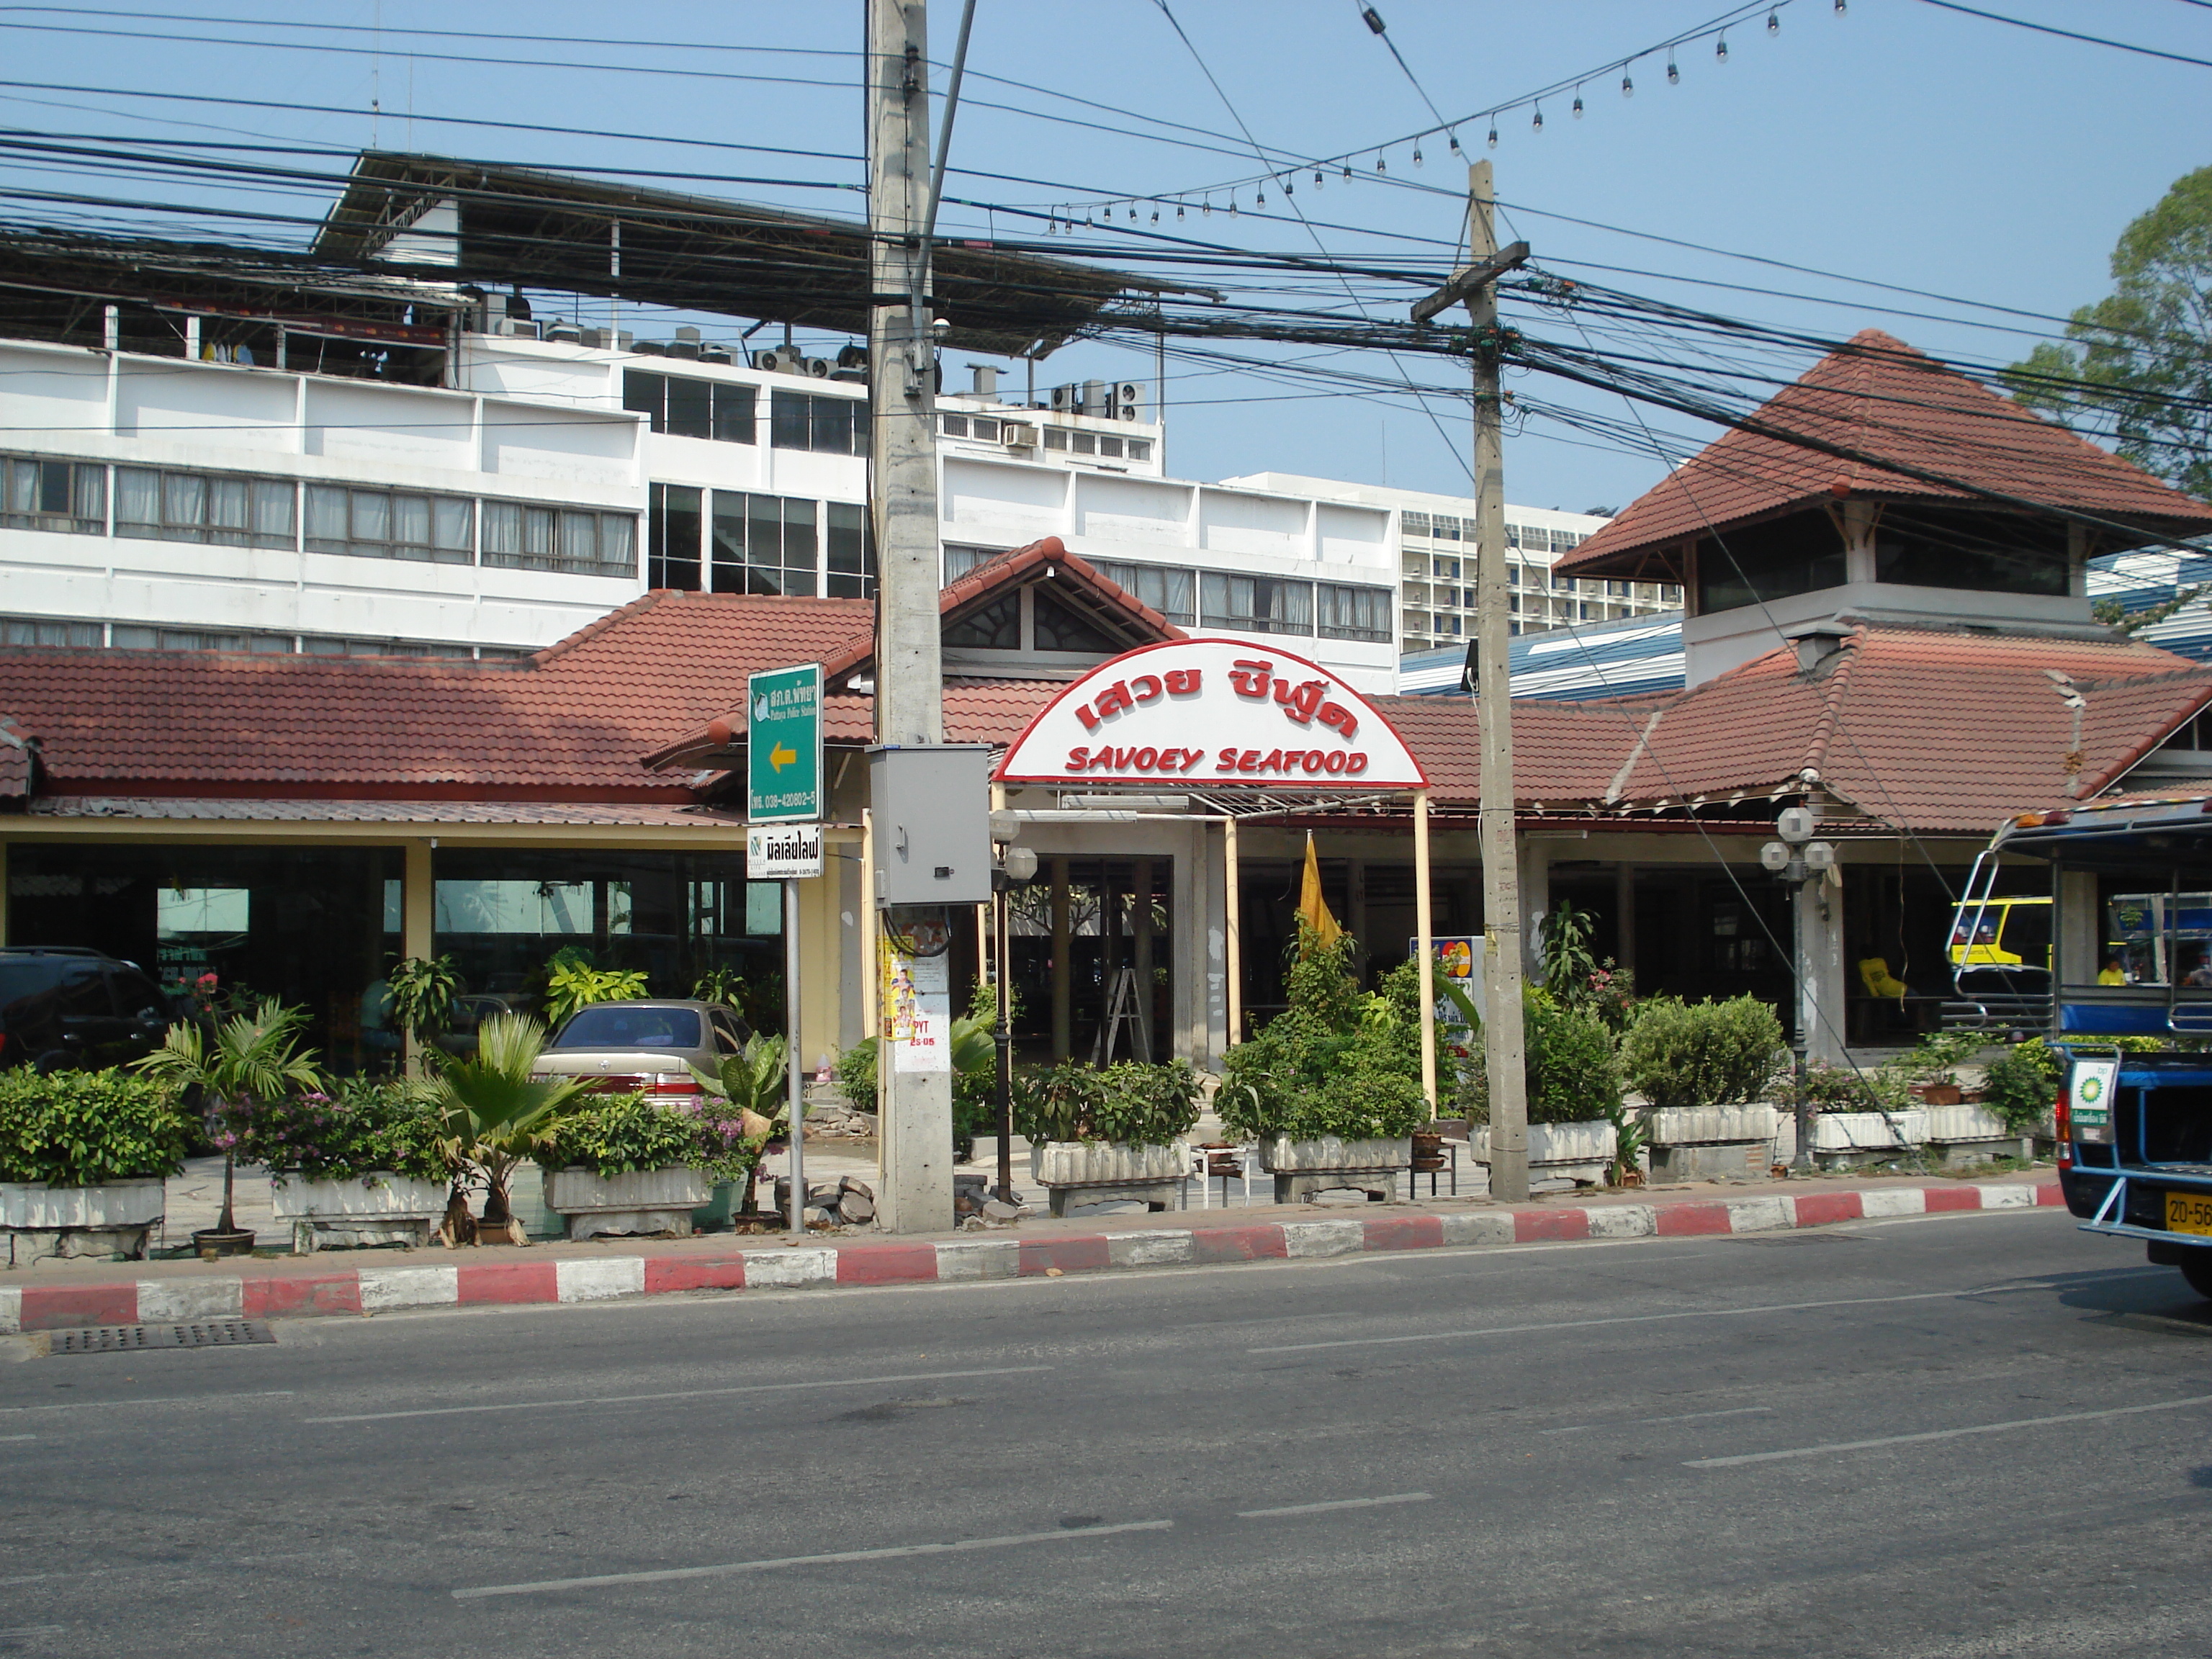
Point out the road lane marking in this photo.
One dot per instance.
(158, 1399)
(1639, 1422)
(1337, 1503)
(1944, 1434)
(674, 1394)
(18, 1436)
(836, 1558)
(1627, 1319)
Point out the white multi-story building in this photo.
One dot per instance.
(1436, 543)
(263, 496)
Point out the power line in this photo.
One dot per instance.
(2069, 35)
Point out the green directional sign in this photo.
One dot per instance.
(783, 745)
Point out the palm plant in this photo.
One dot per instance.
(421, 994)
(251, 1057)
(755, 1081)
(495, 1111)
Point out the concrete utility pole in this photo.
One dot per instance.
(1502, 1044)
(916, 1105)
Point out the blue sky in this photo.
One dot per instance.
(1896, 142)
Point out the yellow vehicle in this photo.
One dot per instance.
(2002, 933)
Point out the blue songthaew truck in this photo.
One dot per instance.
(2132, 958)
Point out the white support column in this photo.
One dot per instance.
(417, 921)
(2081, 928)
(1819, 904)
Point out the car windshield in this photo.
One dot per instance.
(617, 1026)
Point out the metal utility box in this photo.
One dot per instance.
(932, 822)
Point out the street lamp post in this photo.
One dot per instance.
(1798, 859)
(1012, 867)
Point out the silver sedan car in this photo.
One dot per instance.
(649, 1046)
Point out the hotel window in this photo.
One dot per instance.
(1354, 613)
(1109, 446)
(375, 524)
(131, 637)
(959, 560)
(64, 496)
(1141, 449)
(1172, 592)
(852, 554)
(574, 541)
(672, 544)
(764, 544)
(1255, 605)
(817, 421)
(1444, 529)
(685, 408)
(953, 426)
(1086, 443)
(41, 630)
(1055, 437)
(210, 507)
(1414, 524)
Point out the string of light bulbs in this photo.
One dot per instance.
(1066, 217)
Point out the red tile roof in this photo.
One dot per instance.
(1879, 398)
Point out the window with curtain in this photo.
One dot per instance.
(220, 508)
(574, 541)
(391, 524)
(1347, 612)
(849, 551)
(1255, 605)
(1172, 592)
(66, 495)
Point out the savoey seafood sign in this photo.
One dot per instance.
(1220, 712)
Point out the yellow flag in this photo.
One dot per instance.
(1313, 908)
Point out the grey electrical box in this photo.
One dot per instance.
(931, 820)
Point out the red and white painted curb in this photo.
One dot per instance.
(600, 1279)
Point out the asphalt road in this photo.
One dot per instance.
(1981, 1435)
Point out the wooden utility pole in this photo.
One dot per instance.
(917, 1106)
(1475, 283)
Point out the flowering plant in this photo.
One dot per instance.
(358, 1128)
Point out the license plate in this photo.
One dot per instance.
(2189, 1213)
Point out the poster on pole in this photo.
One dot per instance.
(783, 745)
(916, 997)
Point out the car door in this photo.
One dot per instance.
(143, 1010)
(93, 1036)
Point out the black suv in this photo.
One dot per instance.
(70, 1010)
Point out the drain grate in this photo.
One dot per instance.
(192, 1333)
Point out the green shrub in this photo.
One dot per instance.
(2021, 1086)
(856, 1074)
(1337, 1061)
(1827, 1088)
(624, 1134)
(1701, 1054)
(1129, 1101)
(364, 1125)
(1571, 1072)
(84, 1129)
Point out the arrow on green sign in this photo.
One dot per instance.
(782, 755)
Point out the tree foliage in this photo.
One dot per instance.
(2138, 364)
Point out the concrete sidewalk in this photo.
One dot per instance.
(64, 1295)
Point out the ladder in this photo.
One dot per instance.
(1121, 1016)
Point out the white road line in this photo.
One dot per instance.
(158, 1399)
(18, 1436)
(1627, 1319)
(1337, 1503)
(676, 1394)
(1944, 1434)
(1637, 1422)
(835, 1558)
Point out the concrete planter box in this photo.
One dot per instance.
(376, 1208)
(1562, 1154)
(1974, 1134)
(644, 1201)
(1700, 1143)
(1097, 1171)
(1843, 1140)
(1303, 1168)
(37, 1220)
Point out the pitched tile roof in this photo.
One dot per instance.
(1879, 398)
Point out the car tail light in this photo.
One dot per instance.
(619, 1083)
(2061, 1116)
(674, 1086)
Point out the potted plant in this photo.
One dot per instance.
(1330, 1087)
(82, 1158)
(494, 1114)
(363, 1165)
(250, 1060)
(1097, 1134)
(1573, 1079)
(1704, 1071)
(753, 1087)
(622, 1163)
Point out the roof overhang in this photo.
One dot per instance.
(548, 230)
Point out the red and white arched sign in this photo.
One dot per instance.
(1219, 712)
